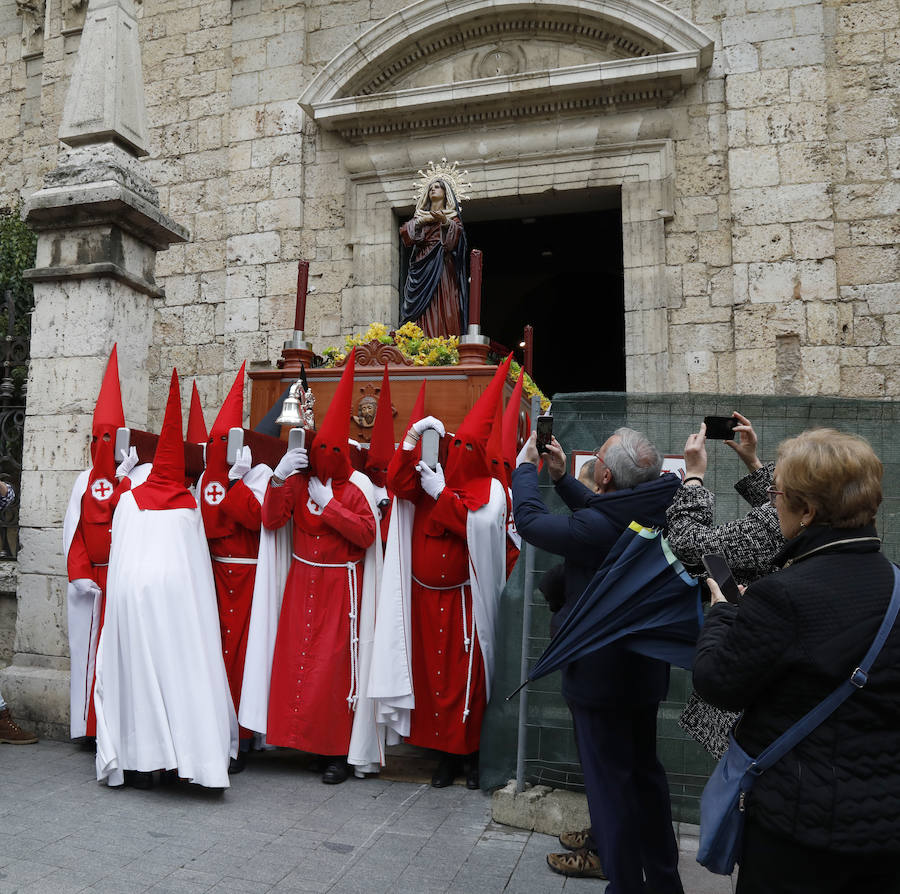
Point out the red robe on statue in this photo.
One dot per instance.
(447, 664)
(311, 669)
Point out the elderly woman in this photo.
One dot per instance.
(825, 817)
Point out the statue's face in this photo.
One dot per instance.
(367, 408)
(437, 193)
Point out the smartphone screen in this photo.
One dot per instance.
(430, 442)
(296, 438)
(717, 568)
(235, 442)
(123, 443)
(544, 432)
(720, 428)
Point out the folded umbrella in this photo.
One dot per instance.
(641, 597)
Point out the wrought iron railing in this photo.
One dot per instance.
(14, 357)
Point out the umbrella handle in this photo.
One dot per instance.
(518, 690)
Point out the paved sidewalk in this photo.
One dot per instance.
(277, 829)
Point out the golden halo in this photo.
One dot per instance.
(458, 180)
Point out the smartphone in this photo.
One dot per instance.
(123, 444)
(431, 440)
(544, 432)
(720, 428)
(296, 438)
(235, 442)
(717, 568)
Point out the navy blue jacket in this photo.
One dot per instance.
(583, 539)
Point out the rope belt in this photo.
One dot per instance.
(100, 564)
(230, 560)
(353, 694)
(467, 640)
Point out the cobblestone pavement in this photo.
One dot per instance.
(277, 829)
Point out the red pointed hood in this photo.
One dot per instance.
(330, 455)
(495, 446)
(511, 423)
(418, 410)
(108, 416)
(232, 413)
(196, 430)
(468, 470)
(381, 447)
(164, 488)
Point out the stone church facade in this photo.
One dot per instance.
(755, 144)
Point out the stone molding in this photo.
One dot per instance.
(403, 39)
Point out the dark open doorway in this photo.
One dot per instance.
(562, 273)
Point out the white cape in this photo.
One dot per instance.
(391, 683)
(162, 696)
(366, 751)
(83, 614)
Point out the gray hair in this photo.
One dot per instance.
(632, 459)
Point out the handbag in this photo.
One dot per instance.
(723, 802)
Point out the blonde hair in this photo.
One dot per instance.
(835, 473)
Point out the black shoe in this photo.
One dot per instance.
(237, 764)
(139, 779)
(473, 779)
(447, 770)
(336, 772)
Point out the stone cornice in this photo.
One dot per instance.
(668, 52)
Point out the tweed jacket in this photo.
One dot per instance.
(748, 544)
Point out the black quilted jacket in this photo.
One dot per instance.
(796, 636)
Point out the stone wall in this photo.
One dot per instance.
(780, 259)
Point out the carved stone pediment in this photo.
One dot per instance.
(440, 63)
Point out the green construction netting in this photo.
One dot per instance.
(582, 422)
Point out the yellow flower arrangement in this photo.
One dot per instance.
(411, 340)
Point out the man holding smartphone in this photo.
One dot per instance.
(613, 693)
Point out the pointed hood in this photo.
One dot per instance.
(495, 447)
(196, 430)
(96, 505)
(330, 455)
(468, 470)
(511, 423)
(381, 447)
(215, 477)
(418, 410)
(232, 413)
(164, 488)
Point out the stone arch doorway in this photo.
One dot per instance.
(560, 99)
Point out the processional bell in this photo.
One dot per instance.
(290, 408)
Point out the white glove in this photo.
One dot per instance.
(428, 422)
(528, 453)
(86, 587)
(291, 462)
(321, 494)
(432, 482)
(124, 468)
(242, 463)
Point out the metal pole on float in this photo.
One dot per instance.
(526, 631)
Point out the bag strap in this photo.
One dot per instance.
(806, 724)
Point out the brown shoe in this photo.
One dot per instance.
(13, 734)
(583, 863)
(575, 841)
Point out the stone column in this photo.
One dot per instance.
(99, 228)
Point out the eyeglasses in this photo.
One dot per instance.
(771, 493)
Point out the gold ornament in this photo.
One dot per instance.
(457, 180)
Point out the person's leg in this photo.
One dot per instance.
(659, 849)
(607, 759)
(773, 864)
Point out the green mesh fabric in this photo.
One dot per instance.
(582, 422)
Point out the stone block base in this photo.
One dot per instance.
(540, 808)
(38, 698)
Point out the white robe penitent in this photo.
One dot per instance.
(162, 698)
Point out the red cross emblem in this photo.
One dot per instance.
(101, 490)
(213, 493)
